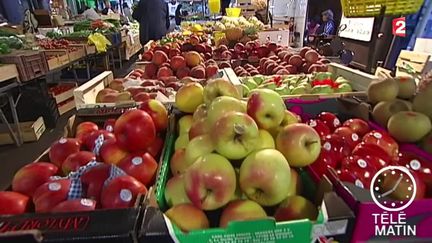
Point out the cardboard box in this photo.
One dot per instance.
(335, 219)
(31, 131)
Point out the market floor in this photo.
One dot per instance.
(12, 158)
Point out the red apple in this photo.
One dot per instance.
(76, 160)
(93, 180)
(109, 125)
(91, 140)
(121, 192)
(370, 163)
(330, 120)
(358, 126)
(420, 165)
(325, 160)
(383, 140)
(50, 194)
(336, 146)
(158, 113)
(142, 166)
(75, 205)
(13, 203)
(111, 153)
(358, 176)
(30, 177)
(363, 150)
(62, 148)
(320, 127)
(348, 135)
(155, 148)
(135, 130)
(84, 129)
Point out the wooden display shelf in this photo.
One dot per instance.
(8, 71)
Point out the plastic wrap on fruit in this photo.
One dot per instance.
(100, 41)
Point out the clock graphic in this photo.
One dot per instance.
(393, 188)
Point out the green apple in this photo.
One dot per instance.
(200, 112)
(184, 124)
(382, 111)
(344, 87)
(181, 141)
(241, 210)
(175, 191)
(259, 79)
(289, 118)
(299, 143)
(235, 135)
(198, 147)
(294, 208)
(409, 126)
(322, 89)
(250, 83)
(188, 217)
(245, 90)
(219, 87)
(283, 90)
(266, 140)
(299, 90)
(323, 75)
(199, 127)
(221, 106)
(210, 182)
(265, 177)
(382, 90)
(268, 85)
(178, 163)
(342, 80)
(266, 107)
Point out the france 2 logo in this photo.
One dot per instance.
(398, 27)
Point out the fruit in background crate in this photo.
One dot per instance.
(210, 182)
(84, 129)
(188, 217)
(123, 96)
(183, 72)
(151, 70)
(28, 178)
(50, 194)
(330, 119)
(295, 60)
(349, 136)
(164, 72)
(385, 109)
(299, 143)
(197, 147)
(264, 176)
(135, 130)
(421, 102)
(141, 166)
(61, 149)
(91, 139)
(358, 126)
(304, 50)
(219, 87)
(147, 56)
(382, 90)
(320, 127)
(296, 207)
(409, 126)
(198, 72)
(189, 97)
(75, 205)
(93, 180)
(222, 105)
(175, 192)
(159, 58)
(13, 203)
(211, 70)
(266, 140)
(121, 192)
(111, 153)
(383, 140)
(403, 186)
(117, 85)
(76, 160)
(158, 113)
(311, 56)
(241, 210)
(235, 135)
(266, 107)
(407, 86)
(192, 58)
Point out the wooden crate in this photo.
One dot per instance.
(57, 58)
(66, 106)
(359, 80)
(30, 64)
(247, 9)
(31, 131)
(8, 71)
(67, 94)
(86, 93)
(88, 49)
(80, 52)
(420, 62)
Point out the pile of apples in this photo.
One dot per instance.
(130, 144)
(319, 83)
(403, 109)
(176, 60)
(237, 156)
(357, 152)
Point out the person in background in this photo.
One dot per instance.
(153, 17)
(224, 4)
(107, 10)
(328, 26)
(90, 13)
(172, 7)
(311, 29)
(178, 15)
(127, 12)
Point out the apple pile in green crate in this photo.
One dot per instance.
(404, 109)
(126, 149)
(237, 156)
(318, 83)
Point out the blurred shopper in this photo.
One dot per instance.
(107, 10)
(328, 26)
(127, 12)
(178, 15)
(224, 5)
(153, 17)
(90, 13)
